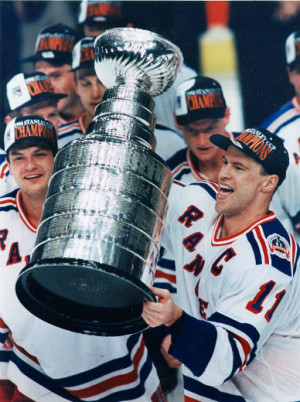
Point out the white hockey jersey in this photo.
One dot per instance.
(239, 338)
(50, 364)
(285, 123)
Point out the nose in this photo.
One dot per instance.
(225, 171)
(98, 91)
(202, 139)
(30, 163)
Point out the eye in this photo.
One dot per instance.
(40, 154)
(85, 84)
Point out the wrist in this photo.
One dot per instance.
(177, 313)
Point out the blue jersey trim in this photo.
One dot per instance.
(274, 116)
(246, 328)
(211, 191)
(177, 158)
(209, 392)
(255, 248)
(167, 264)
(194, 344)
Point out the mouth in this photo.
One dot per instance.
(224, 190)
(202, 149)
(32, 176)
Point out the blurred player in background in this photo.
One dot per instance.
(53, 56)
(285, 122)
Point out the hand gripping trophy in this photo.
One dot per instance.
(99, 237)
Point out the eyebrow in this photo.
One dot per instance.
(19, 152)
(234, 163)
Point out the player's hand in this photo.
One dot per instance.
(164, 312)
(172, 362)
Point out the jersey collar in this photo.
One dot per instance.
(216, 241)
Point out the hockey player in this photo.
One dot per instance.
(32, 94)
(38, 361)
(53, 56)
(201, 111)
(285, 122)
(235, 326)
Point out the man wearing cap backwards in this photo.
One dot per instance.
(236, 325)
(39, 361)
(285, 122)
(53, 56)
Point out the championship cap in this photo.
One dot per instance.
(199, 98)
(83, 54)
(31, 130)
(292, 48)
(93, 11)
(27, 89)
(55, 45)
(261, 145)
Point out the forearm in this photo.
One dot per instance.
(206, 350)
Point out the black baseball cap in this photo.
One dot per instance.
(83, 54)
(100, 11)
(199, 98)
(260, 144)
(30, 130)
(28, 89)
(54, 44)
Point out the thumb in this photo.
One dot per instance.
(162, 294)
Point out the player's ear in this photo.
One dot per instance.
(227, 116)
(269, 183)
(177, 125)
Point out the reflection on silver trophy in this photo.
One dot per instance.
(99, 237)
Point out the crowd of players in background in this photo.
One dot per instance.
(64, 90)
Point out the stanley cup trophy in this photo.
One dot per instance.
(99, 237)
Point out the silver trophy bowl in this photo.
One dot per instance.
(99, 238)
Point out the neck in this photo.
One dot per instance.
(210, 168)
(33, 208)
(87, 119)
(235, 224)
(72, 112)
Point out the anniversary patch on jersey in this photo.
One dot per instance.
(279, 246)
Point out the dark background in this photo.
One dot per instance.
(260, 39)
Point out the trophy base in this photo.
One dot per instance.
(101, 300)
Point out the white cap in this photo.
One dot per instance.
(292, 48)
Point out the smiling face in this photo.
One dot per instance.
(197, 136)
(31, 168)
(244, 188)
